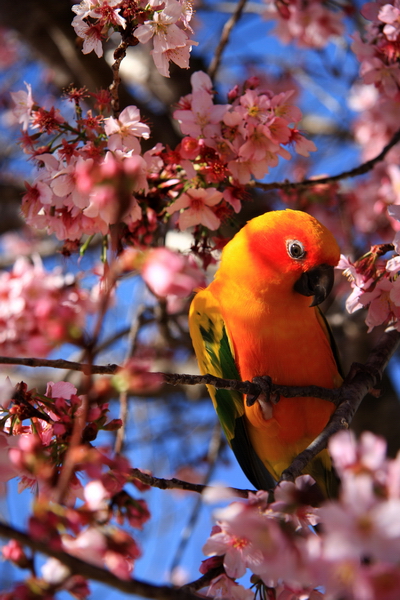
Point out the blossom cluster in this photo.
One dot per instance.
(40, 310)
(82, 186)
(378, 55)
(376, 286)
(377, 100)
(166, 23)
(37, 454)
(227, 144)
(309, 23)
(354, 555)
(93, 176)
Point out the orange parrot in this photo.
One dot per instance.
(255, 319)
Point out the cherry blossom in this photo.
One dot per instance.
(170, 41)
(196, 208)
(390, 15)
(223, 587)
(168, 273)
(23, 105)
(124, 131)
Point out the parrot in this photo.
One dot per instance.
(255, 319)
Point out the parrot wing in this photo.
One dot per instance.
(215, 355)
(328, 332)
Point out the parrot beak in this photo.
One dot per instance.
(317, 282)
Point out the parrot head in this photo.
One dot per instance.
(287, 250)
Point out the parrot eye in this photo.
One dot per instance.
(295, 249)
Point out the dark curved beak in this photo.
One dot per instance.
(317, 282)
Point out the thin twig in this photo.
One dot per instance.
(212, 457)
(91, 571)
(226, 31)
(179, 484)
(124, 395)
(360, 170)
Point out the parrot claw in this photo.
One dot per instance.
(266, 397)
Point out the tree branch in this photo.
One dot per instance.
(90, 571)
(226, 31)
(360, 170)
(179, 484)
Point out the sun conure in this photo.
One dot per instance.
(255, 319)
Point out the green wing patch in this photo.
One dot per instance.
(215, 355)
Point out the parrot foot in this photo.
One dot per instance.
(266, 398)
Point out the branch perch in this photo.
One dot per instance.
(347, 398)
(90, 571)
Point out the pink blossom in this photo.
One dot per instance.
(280, 558)
(195, 204)
(238, 552)
(259, 146)
(8, 469)
(54, 572)
(39, 310)
(390, 15)
(168, 37)
(394, 212)
(167, 272)
(92, 36)
(301, 144)
(94, 31)
(379, 303)
(310, 24)
(179, 55)
(282, 108)
(224, 588)
(23, 105)
(124, 131)
(231, 198)
(14, 551)
(90, 545)
(203, 118)
(200, 81)
(61, 389)
(384, 76)
(369, 453)
(118, 564)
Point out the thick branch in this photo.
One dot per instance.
(360, 170)
(365, 378)
(178, 484)
(245, 387)
(89, 571)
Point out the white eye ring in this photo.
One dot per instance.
(295, 249)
